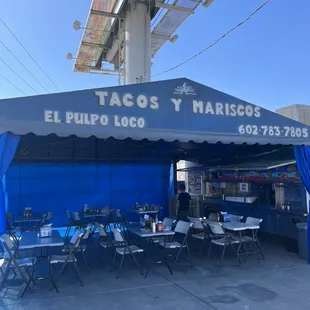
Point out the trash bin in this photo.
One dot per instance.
(303, 240)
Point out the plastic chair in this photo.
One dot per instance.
(253, 240)
(201, 234)
(220, 238)
(11, 229)
(67, 259)
(124, 250)
(182, 229)
(11, 252)
(105, 239)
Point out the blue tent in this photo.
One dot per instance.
(115, 145)
(178, 109)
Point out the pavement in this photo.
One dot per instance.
(279, 282)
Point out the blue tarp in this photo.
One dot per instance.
(56, 187)
(302, 155)
(178, 109)
(8, 145)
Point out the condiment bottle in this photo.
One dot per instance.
(153, 227)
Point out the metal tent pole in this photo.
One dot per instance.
(137, 43)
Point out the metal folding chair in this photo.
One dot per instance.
(11, 229)
(48, 217)
(15, 263)
(182, 229)
(200, 232)
(67, 259)
(124, 250)
(40, 223)
(106, 242)
(253, 240)
(220, 238)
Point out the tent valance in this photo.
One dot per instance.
(178, 109)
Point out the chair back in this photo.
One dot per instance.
(118, 236)
(101, 230)
(76, 216)
(183, 227)
(48, 216)
(87, 232)
(43, 219)
(197, 223)
(7, 243)
(9, 216)
(168, 222)
(235, 218)
(76, 238)
(68, 214)
(253, 221)
(216, 228)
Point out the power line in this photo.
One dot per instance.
(23, 65)
(18, 76)
(7, 27)
(214, 43)
(13, 84)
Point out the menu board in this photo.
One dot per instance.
(194, 183)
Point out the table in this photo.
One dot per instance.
(241, 227)
(143, 233)
(31, 240)
(238, 226)
(27, 221)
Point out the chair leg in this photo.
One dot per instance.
(113, 261)
(104, 253)
(202, 247)
(62, 270)
(52, 278)
(137, 264)
(223, 254)
(120, 266)
(28, 282)
(77, 273)
(178, 255)
(210, 248)
(189, 255)
(85, 260)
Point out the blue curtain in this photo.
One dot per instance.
(56, 187)
(8, 146)
(302, 155)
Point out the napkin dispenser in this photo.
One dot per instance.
(46, 231)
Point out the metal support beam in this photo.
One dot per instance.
(100, 71)
(160, 36)
(173, 7)
(106, 14)
(95, 45)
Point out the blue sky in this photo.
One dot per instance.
(266, 61)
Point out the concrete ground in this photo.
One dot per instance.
(281, 282)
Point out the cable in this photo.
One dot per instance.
(13, 84)
(7, 27)
(19, 76)
(215, 42)
(23, 66)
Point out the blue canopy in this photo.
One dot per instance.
(178, 109)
